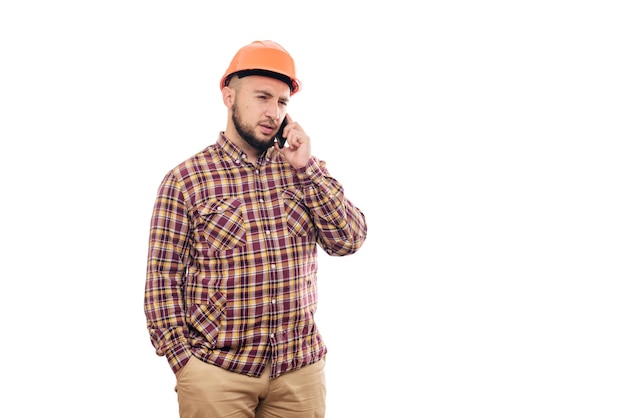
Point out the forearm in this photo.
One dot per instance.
(341, 226)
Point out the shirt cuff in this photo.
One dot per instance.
(311, 173)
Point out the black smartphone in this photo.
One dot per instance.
(279, 135)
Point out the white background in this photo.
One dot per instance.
(483, 140)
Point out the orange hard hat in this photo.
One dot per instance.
(265, 58)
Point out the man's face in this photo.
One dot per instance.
(259, 106)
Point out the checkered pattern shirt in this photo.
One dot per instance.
(232, 259)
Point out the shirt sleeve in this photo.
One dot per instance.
(341, 226)
(165, 274)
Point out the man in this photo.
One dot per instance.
(231, 283)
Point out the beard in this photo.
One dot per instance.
(247, 132)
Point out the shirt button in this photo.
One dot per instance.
(256, 171)
(219, 208)
(261, 200)
(273, 266)
(272, 335)
(273, 301)
(267, 232)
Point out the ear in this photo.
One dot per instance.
(228, 96)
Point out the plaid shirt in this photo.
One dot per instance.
(232, 259)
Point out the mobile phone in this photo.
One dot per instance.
(279, 135)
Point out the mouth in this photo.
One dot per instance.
(268, 129)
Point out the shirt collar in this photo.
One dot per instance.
(236, 154)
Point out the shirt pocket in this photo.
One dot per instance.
(221, 224)
(296, 214)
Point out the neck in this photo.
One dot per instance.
(251, 152)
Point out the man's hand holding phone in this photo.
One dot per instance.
(298, 149)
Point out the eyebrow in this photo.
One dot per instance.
(267, 93)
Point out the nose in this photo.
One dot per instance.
(273, 111)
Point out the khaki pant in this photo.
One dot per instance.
(207, 391)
